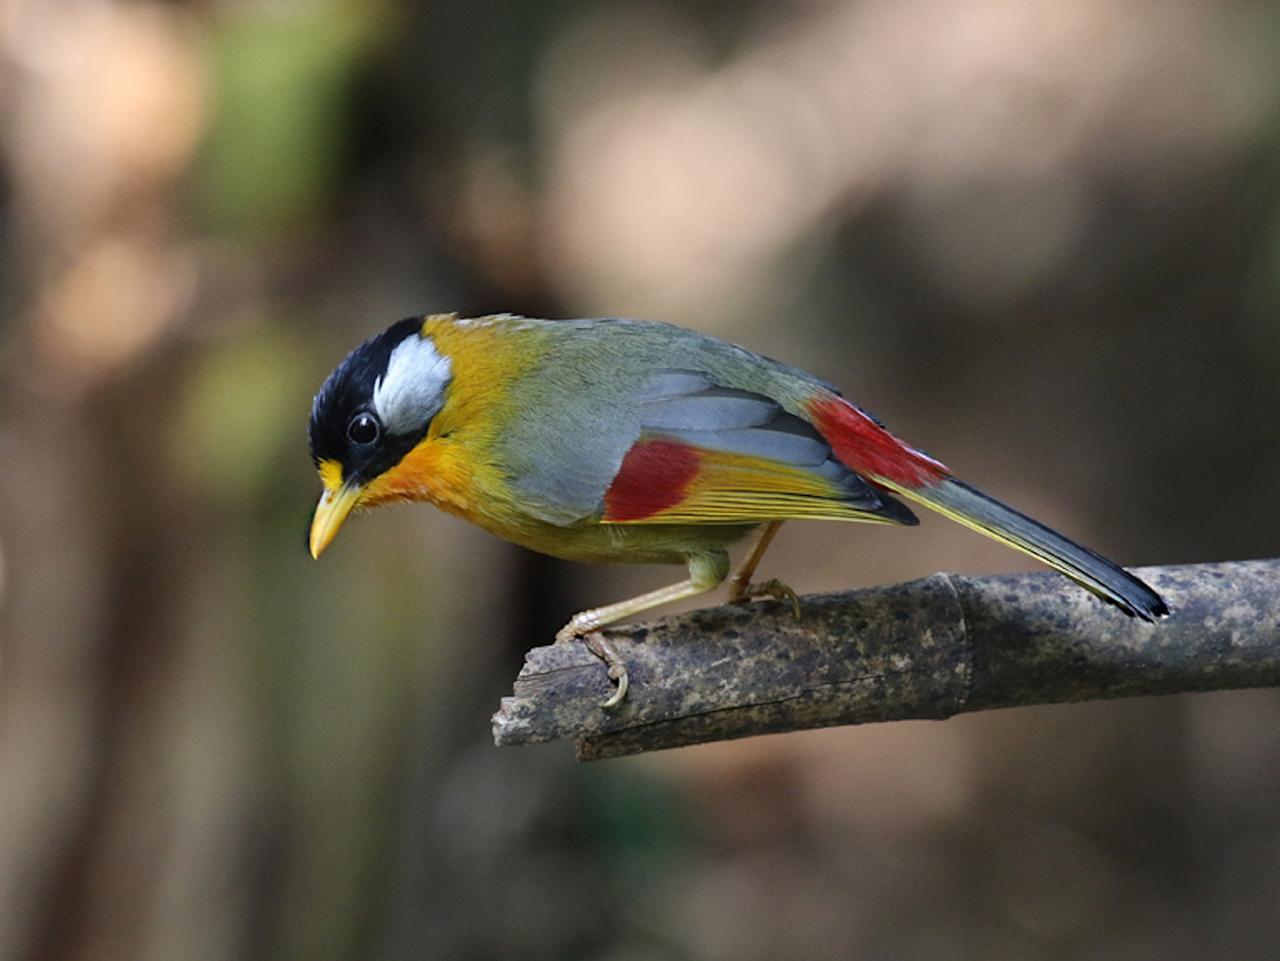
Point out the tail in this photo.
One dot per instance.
(969, 506)
(863, 445)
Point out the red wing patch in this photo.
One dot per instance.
(654, 476)
(864, 446)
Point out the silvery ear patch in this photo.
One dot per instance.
(411, 392)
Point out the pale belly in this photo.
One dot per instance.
(623, 543)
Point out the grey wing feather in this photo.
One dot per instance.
(689, 407)
(674, 383)
(717, 408)
(762, 441)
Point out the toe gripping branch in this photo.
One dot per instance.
(930, 648)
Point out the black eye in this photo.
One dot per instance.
(363, 429)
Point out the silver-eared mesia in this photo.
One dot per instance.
(620, 441)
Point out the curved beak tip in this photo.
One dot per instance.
(331, 511)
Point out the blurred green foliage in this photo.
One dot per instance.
(284, 76)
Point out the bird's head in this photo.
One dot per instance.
(374, 408)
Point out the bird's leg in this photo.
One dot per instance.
(740, 583)
(706, 572)
(742, 588)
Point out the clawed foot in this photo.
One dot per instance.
(584, 629)
(742, 593)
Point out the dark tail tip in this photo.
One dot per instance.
(1145, 602)
(1087, 568)
(1126, 591)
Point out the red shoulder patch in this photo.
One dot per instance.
(864, 446)
(653, 477)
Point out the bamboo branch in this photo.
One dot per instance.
(931, 648)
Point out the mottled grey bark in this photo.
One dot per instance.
(930, 648)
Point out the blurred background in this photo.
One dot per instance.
(1042, 241)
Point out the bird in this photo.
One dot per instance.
(610, 440)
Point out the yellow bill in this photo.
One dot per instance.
(335, 504)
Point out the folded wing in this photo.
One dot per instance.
(708, 453)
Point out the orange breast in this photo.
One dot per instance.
(435, 471)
